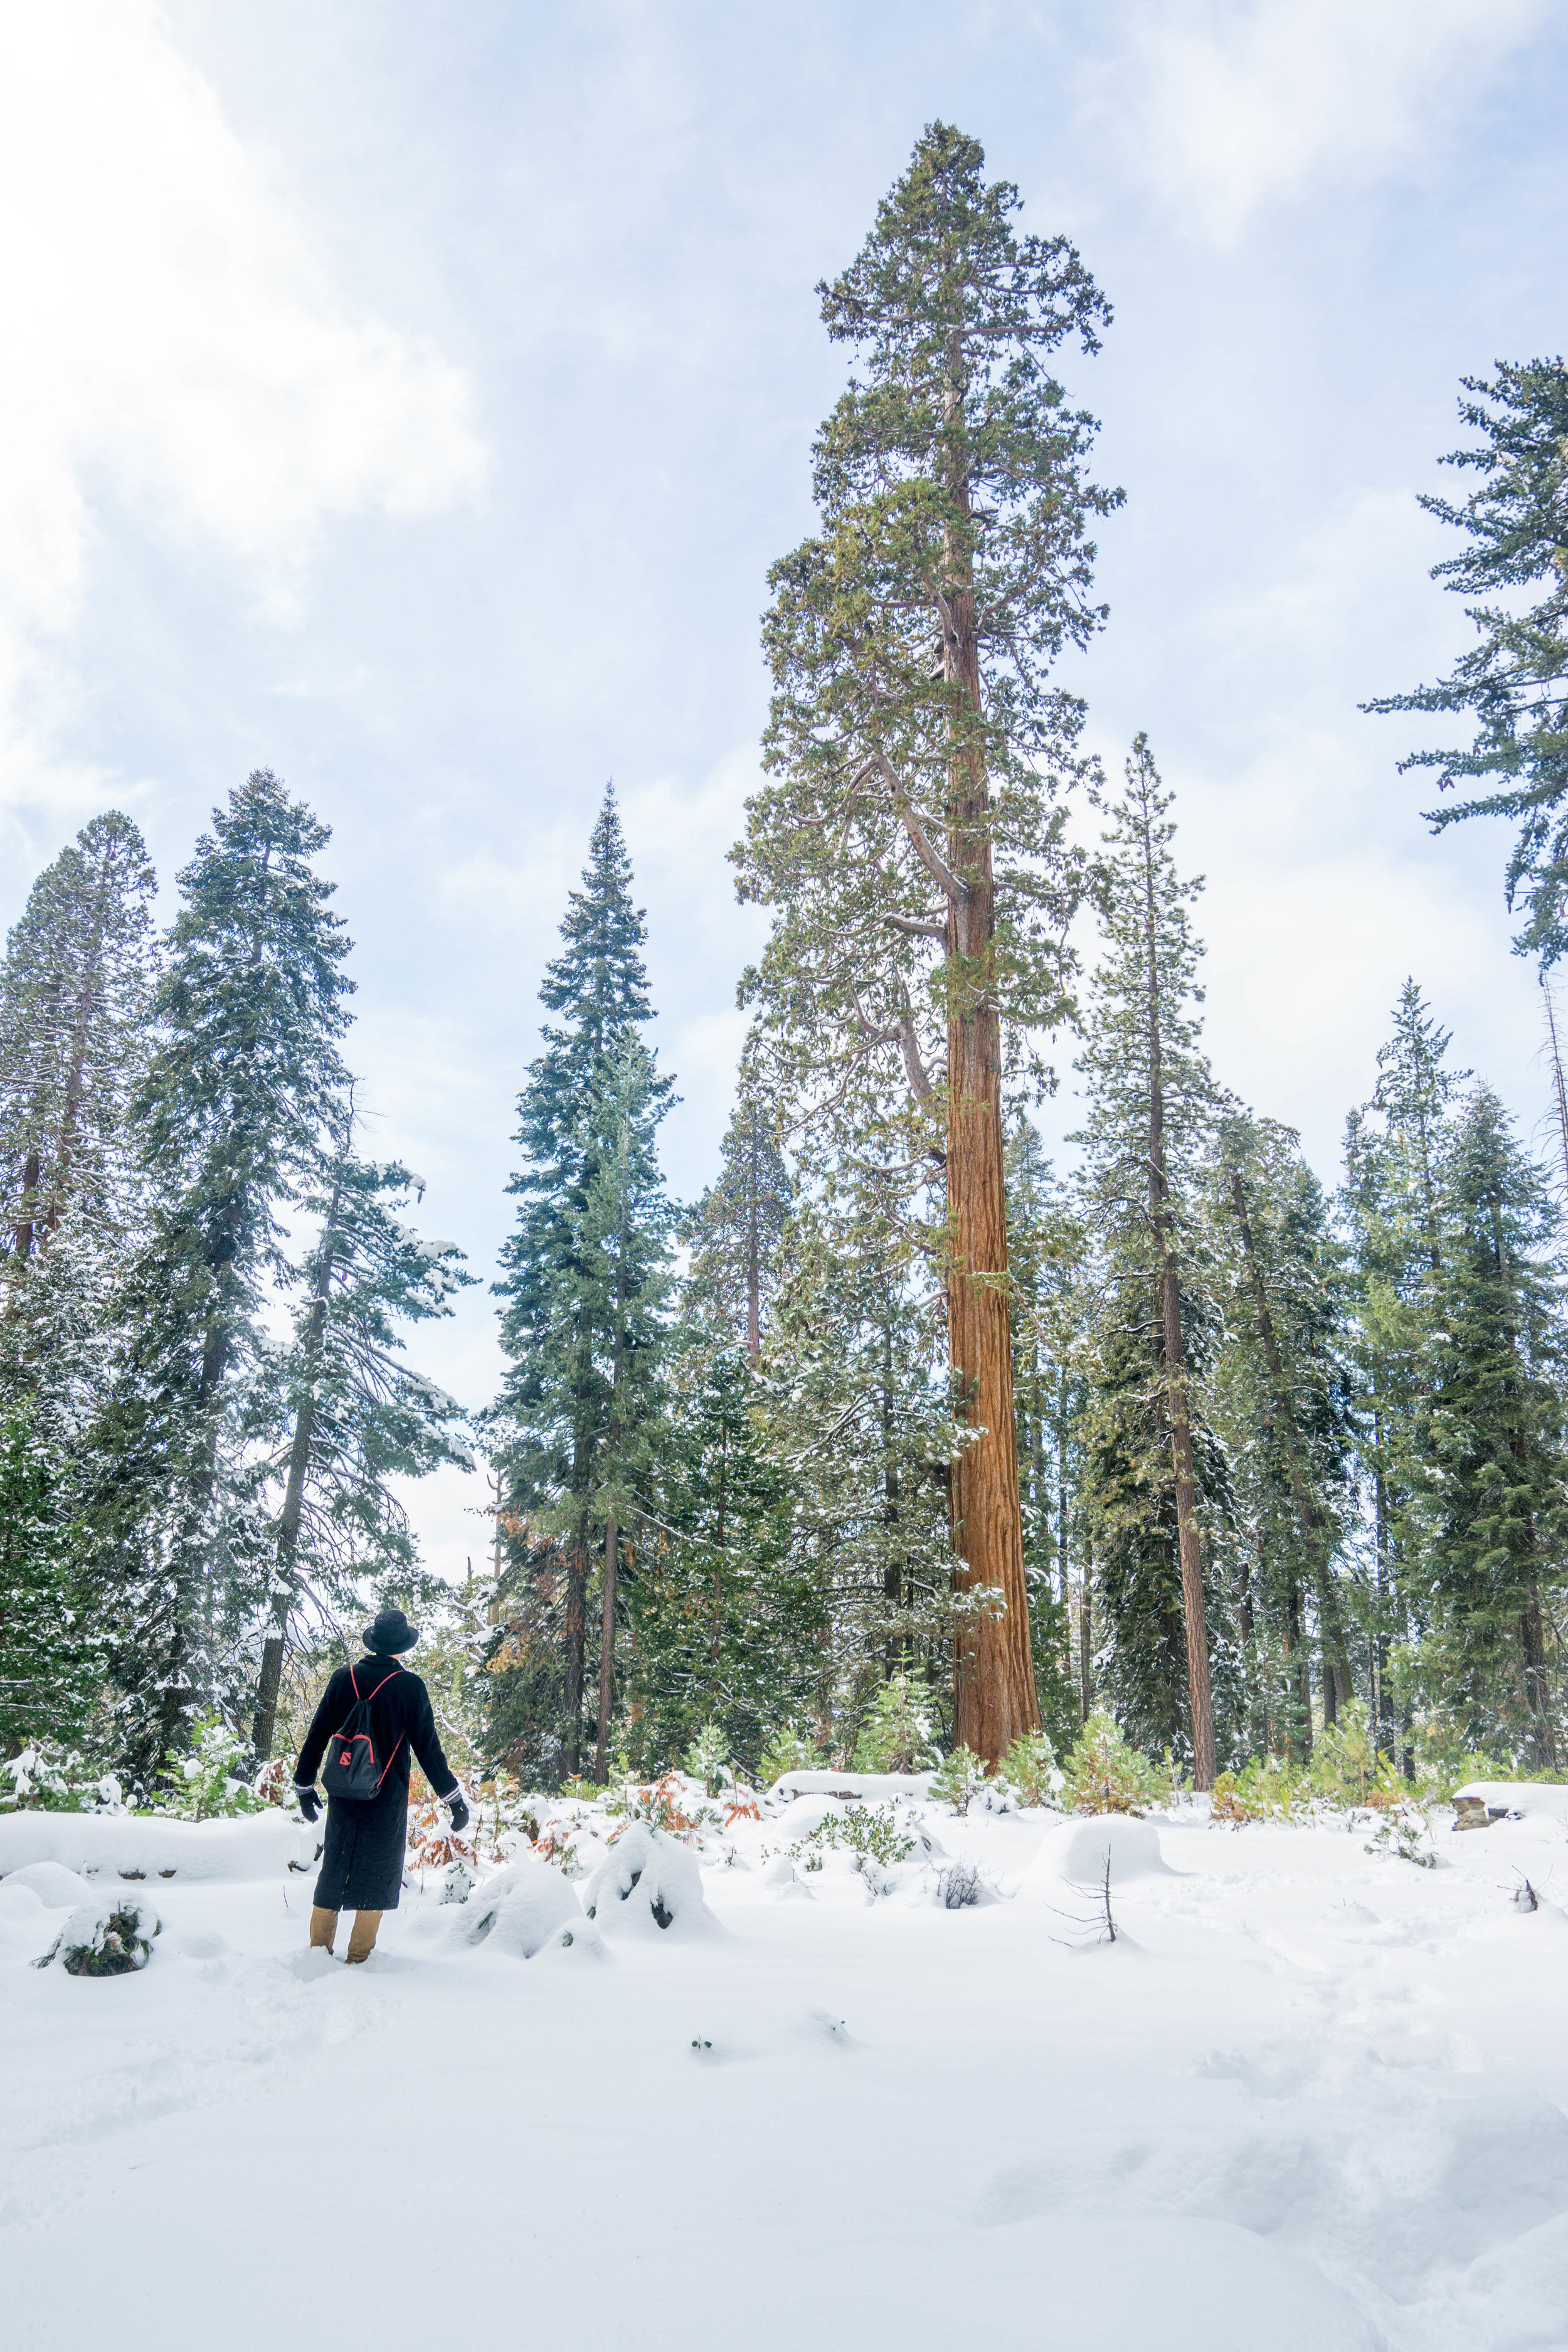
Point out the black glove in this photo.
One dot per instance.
(460, 1810)
(309, 1803)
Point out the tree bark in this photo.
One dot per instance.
(577, 1614)
(606, 1654)
(1532, 1640)
(270, 1679)
(995, 1699)
(753, 1256)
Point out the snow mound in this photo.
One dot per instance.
(649, 1885)
(145, 1845)
(526, 1909)
(1518, 1796)
(56, 1888)
(1076, 1851)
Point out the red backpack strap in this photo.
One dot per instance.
(381, 1684)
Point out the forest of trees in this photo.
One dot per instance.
(897, 1422)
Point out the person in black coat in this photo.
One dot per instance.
(361, 1864)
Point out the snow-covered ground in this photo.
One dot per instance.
(1310, 2097)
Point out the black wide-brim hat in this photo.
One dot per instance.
(390, 1633)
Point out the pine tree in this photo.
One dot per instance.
(857, 1419)
(1395, 1169)
(725, 1622)
(1152, 1105)
(51, 1667)
(733, 1232)
(909, 840)
(585, 1266)
(344, 1415)
(230, 1117)
(1515, 679)
(1282, 1407)
(622, 1280)
(75, 994)
(1497, 1496)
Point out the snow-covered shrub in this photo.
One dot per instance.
(1030, 1770)
(526, 1909)
(435, 1845)
(708, 1758)
(788, 1750)
(1406, 1831)
(665, 1803)
(896, 1736)
(274, 1785)
(206, 1784)
(958, 1886)
(648, 1885)
(108, 1939)
(871, 1831)
(458, 1881)
(958, 1779)
(45, 1779)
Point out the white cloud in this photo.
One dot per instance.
(1229, 104)
(174, 346)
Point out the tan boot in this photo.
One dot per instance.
(362, 1938)
(323, 1928)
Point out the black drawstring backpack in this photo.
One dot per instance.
(351, 1768)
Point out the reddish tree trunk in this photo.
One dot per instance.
(995, 1699)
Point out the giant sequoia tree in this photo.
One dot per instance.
(910, 836)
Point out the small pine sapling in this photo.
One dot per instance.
(205, 1784)
(1105, 1774)
(788, 1749)
(896, 1736)
(1030, 1770)
(1346, 1761)
(958, 1779)
(708, 1758)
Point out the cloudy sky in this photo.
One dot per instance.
(411, 398)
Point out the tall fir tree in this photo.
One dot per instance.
(75, 998)
(1282, 1407)
(231, 1117)
(562, 1426)
(1396, 1152)
(724, 1615)
(1496, 1482)
(857, 1419)
(734, 1230)
(51, 1659)
(1152, 1107)
(909, 840)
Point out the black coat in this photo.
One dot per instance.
(361, 1866)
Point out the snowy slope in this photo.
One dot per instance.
(1311, 2095)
